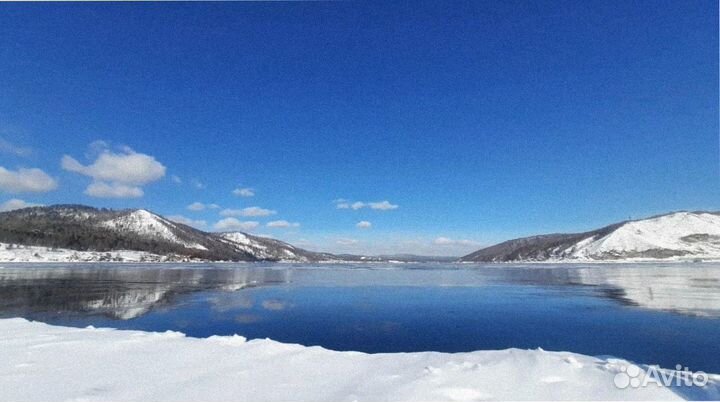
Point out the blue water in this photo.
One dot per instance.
(652, 314)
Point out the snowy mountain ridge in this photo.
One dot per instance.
(677, 235)
(145, 223)
(67, 233)
(265, 248)
(80, 233)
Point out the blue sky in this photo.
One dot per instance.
(475, 121)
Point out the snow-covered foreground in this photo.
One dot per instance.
(40, 362)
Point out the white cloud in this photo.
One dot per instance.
(13, 204)
(101, 189)
(249, 211)
(115, 174)
(383, 205)
(347, 205)
(388, 243)
(446, 241)
(199, 206)
(7, 147)
(26, 181)
(95, 148)
(341, 203)
(188, 221)
(282, 224)
(442, 241)
(229, 224)
(176, 179)
(196, 206)
(302, 242)
(244, 192)
(364, 225)
(126, 167)
(257, 211)
(197, 184)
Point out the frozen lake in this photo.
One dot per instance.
(663, 314)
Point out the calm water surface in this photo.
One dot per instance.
(663, 314)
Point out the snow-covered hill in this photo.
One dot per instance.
(678, 235)
(145, 223)
(271, 249)
(80, 233)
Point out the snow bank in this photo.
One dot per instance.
(22, 253)
(49, 363)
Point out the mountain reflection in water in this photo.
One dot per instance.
(129, 291)
(118, 292)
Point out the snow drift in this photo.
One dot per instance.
(49, 363)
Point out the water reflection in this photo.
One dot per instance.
(652, 314)
(117, 292)
(685, 290)
(691, 289)
(127, 292)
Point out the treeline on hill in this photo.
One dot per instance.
(61, 228)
